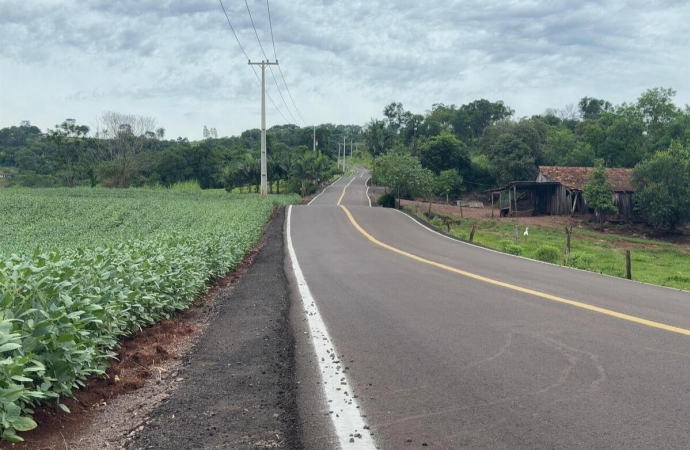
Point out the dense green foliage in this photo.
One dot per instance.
(487, 147)
(90, 265)
(598, 191)
(125, 150)
(404, 175)
(662, 186)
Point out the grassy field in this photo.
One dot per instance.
(81, 267)
(653, 261)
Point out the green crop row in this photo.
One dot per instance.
(63, 310)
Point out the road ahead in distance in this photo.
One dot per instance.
(454, 346)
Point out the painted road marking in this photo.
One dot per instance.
(345, 189)
(345, 413)
(323, 191)
(513, 287)
(368, 198)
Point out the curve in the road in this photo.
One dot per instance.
(513, 287)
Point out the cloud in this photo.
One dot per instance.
(343, 61)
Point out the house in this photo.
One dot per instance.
(558, 191)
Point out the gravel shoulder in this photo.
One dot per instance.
(237, 386)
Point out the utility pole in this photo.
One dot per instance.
(264, 176)
(344, 150)
(314, 141)
(350, 148)
(338, 155)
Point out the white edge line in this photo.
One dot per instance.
(345, 413)
(368, 198)
(336, 180)
(533, 260)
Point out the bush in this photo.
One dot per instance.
(581, 260)
(510, 247)
(386, 200)
(437, 222)
(548, 253)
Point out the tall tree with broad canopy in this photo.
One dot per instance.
(514, 149)
(662, 187)
(444, 152)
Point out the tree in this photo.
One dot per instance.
(514, 149)
(65, 137)
(444, 152)
(378, 136)
(450, 183)
(206, 133)
(123, 137)
(598, 192)
(592, 108)
(657, 110)
(662, 187)
(403, 174)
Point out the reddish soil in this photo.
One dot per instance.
(682, 238)
(144, 374)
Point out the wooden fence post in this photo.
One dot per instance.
(474, 226)
(628, 266)
(516, 235)
(568, 232)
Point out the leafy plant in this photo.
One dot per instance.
(62, 310)
(548, 253)
(581, 260)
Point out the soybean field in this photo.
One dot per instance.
(80, 268)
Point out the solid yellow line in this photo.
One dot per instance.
(344, 189)
(554, 298)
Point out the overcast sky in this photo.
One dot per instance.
(179, 62)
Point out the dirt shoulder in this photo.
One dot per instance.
(219, 375)
(238, 388)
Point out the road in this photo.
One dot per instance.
(447, 345)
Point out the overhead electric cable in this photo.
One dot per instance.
(248, 59)
(275, 54)
(269, 67)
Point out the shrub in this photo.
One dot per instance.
(510, 247)
(386, 200)
(548, 253)
(581, 260)
(437, 222)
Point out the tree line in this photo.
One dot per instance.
(481, 145)
(123, 150)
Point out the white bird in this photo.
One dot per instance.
(526, 233)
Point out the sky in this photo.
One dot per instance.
(342, 61)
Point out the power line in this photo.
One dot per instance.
(248, 59)
(269, 67)
(275, 54)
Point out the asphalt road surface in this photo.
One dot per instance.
(441, 344)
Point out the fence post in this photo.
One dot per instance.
(568, 232)
(516, 235)
(474, 226)
(628, 266)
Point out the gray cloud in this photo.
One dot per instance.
(343, 60)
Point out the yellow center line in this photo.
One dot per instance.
(345, 189)
(513, 287)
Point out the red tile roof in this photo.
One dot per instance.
(576, 177)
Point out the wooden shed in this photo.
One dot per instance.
(558, 191)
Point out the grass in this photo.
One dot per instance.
(653, 261)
